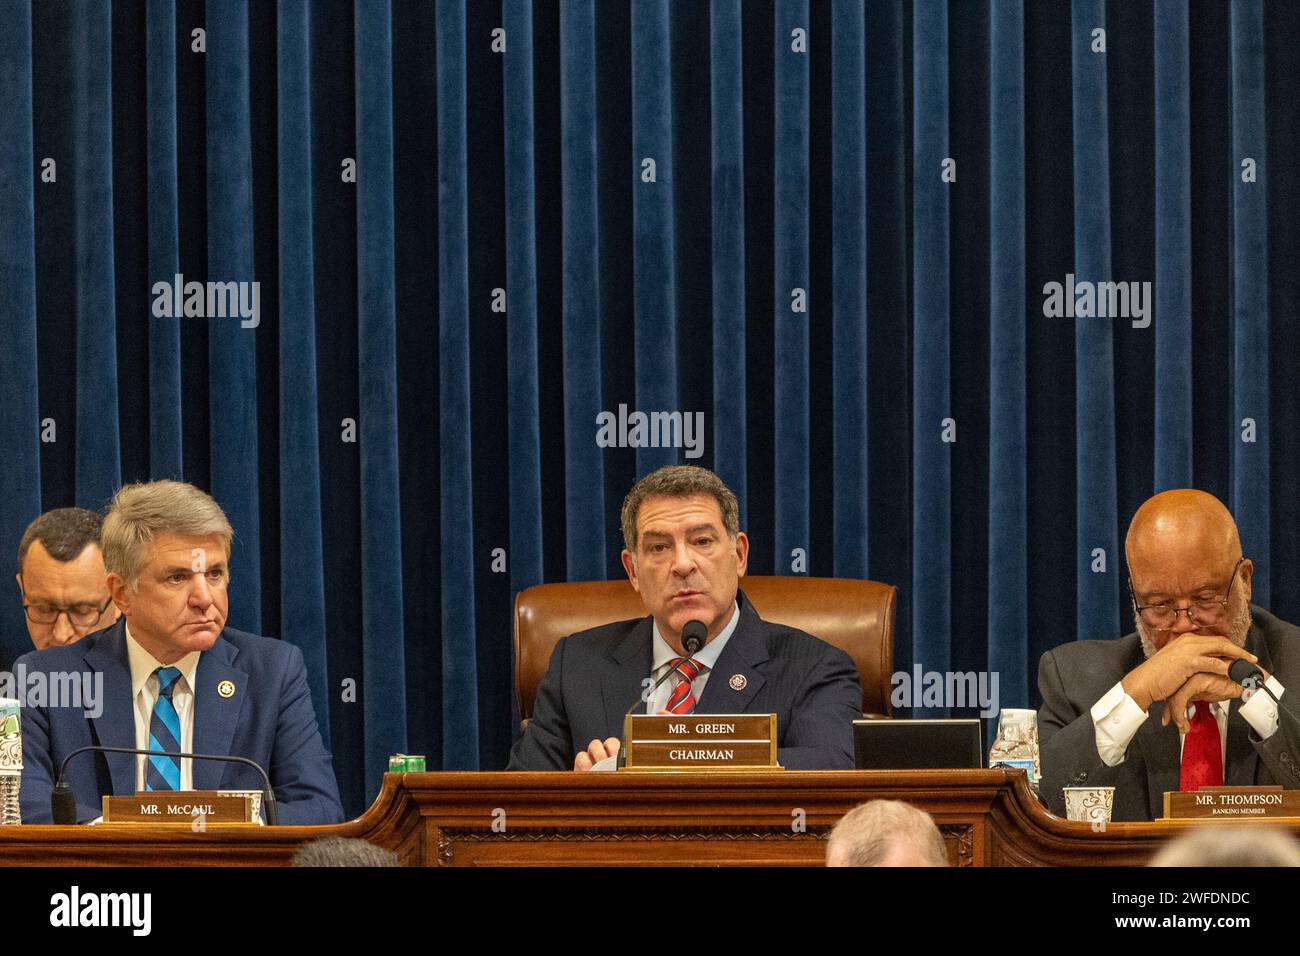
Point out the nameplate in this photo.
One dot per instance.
(188, 807)
(714, 742)
(1232, 803)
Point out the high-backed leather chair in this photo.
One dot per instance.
(855, 616)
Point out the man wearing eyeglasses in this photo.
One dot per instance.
(1156, 711)
(61, 577)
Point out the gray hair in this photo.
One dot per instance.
(141, 512)
(341, 851)
(870, 832)
(1230, 846)
(63, 532)
(679, 481)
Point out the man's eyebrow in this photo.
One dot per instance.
(694, 529)
(656, 534)
(190, 569)
(1207, 586)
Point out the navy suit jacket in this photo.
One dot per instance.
(596, 675)
(1074, 676)
(269, 719)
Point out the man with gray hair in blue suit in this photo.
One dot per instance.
(175, 678)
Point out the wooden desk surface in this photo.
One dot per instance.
(988, 818)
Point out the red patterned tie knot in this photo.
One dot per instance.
(682, 699)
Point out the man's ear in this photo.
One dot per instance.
(1246, 573)
(629, 565)
(119, 592)
(742, 554)
(19, 578)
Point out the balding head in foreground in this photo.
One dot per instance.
(1230, 846)
(886, 833)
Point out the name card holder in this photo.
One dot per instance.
(714, 742)
(1233, 803)
(180, 808)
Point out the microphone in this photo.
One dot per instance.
(693, 635)
(63, 802)
(1241, 670)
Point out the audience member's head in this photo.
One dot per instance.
(341, 851)
(1231, 846)
(61, 577)
(886, 833)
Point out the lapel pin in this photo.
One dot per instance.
(226, 689)
(738, 682)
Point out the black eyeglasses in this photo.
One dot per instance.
(1201, 612)
(79, 615)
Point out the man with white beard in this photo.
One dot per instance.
(1156, 711)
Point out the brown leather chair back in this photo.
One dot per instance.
(855, 616)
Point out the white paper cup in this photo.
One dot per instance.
(1089, 804)
(11, 741)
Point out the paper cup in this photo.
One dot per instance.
(1089, 804)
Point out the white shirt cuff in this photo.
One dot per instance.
(1116, 718)
(1260, 710)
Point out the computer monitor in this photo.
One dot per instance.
(924, 744)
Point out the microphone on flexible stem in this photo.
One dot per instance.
(1243, 672)
(63, 802)
(1240, 671)
(693, 635)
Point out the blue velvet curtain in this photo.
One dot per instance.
(827, 226)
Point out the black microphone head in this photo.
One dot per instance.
(63, 804)
(693, 635)
(1242, 670)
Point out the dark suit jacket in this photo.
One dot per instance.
(1075, 676)
(269, 720)
(596, 675)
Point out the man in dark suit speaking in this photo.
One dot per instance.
(685, 554)
(174, 677)
(1156, 711)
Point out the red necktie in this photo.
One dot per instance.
(1202, 752)
(682, 699)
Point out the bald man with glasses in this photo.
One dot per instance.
(1156, 711)
(62, 579)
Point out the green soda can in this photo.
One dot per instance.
(406, 763)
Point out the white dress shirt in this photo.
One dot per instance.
(664, 655)
(144, 694)
(1117, 717)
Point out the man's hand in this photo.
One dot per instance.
(1169, 669)
(1202, 686)
(595, 752)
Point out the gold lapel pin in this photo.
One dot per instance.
(226, 689)
(738, 681)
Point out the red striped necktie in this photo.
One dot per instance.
(1202, 752)
(682, 699)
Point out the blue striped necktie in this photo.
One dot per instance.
(164, 773)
